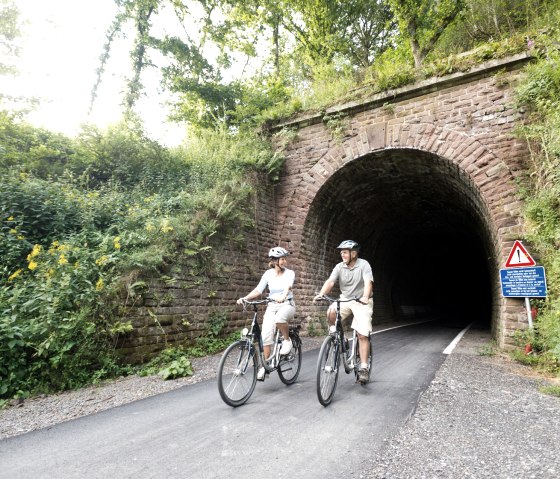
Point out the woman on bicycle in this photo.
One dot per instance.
(355, 279)
(280, 281)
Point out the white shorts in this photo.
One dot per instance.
(276, 313)
(362, 314)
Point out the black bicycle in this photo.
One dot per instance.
(237, 371)
(334, 348)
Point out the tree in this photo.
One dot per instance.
(370, 28)
(423, 22)
(9, 31)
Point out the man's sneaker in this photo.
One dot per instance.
(363, 375)
(286, 347)
(332, 329)
(261, 374)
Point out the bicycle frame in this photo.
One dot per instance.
(254, 335)
(341, 342)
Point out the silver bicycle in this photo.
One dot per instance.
(335, 351)
(237, 371)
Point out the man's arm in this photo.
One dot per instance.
(326, 289)
(368, 289)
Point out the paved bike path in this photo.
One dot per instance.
(281, 431)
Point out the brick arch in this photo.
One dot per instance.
(482, 171)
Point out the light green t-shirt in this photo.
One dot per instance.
(352, 280)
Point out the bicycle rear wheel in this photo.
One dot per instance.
(327, 371)
(290, 365)
(359, 361)
(237, 373)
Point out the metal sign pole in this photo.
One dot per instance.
(529, 314)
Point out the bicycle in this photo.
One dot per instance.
(237, 371)
(334, 347)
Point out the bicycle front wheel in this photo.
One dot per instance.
(237, 373)
(327, 371)
(290, 365)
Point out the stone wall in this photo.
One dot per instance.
(186, 301)
(446, 141)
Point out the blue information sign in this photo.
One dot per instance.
(523, 282)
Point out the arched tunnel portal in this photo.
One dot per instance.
(421, 223)
(425, 178)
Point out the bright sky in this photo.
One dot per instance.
(62, 41)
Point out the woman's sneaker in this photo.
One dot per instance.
(261, 374)
(286, 347)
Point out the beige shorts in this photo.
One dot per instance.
(276, 313)
(361, 313)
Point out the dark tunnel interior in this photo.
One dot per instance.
(423, 226)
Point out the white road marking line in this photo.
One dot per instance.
(453, 343)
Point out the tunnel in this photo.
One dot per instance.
(421, 223)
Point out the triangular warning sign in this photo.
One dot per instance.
(519, 256)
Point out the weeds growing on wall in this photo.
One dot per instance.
(82, 222)
(540, 93)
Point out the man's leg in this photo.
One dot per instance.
(363, 371)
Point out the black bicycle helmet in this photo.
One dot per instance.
(349, 244)
(278, 252)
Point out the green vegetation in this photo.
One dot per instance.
(84, 222)
(540, 94)
(488, 349)
(552, 390)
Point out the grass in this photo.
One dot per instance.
(551, 390)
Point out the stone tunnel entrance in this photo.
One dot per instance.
(421, 223)
(425, 179)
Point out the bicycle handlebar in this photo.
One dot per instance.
(338, 300)
(260, 301)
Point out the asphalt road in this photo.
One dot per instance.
(281, 432)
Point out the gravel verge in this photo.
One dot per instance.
(481, 417)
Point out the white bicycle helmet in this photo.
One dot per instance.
(278, 252)
(349, 244)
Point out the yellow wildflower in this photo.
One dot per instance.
(101, 261)
(36, 251)
(11, 218)
(32, 265)
(117, 243)
(62, 259)
(99, 285)
(150, 227)
(13, 231)
(165, 226)
(14, 275)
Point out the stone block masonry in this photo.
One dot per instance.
(419, 176)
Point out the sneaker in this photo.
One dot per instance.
(261, 374)
(286, 347)
(332, 329)
(363, 375)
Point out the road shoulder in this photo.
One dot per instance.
(482, 416)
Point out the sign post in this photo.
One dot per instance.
(521, 278)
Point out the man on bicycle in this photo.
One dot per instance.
(355, 279)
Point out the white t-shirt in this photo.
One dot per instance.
(277, 284)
